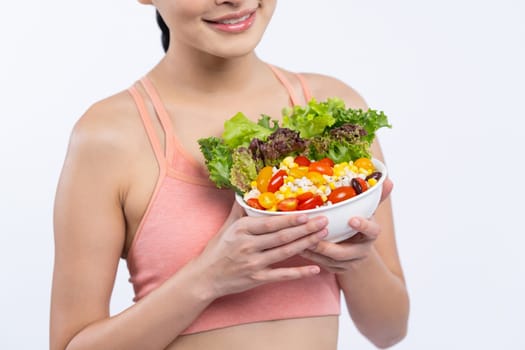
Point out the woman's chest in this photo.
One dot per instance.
(190, 123)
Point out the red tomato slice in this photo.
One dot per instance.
(328, 161)
(310, 203)
(341, 193)
(254, 203)
(304, 196)
(287, 204)
(321, 167)
(276, 181)
(302, 161)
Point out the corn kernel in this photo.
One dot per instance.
(290, 179)
(332, 185)
(339, 169)
(253, 184)
(299, 191)
(324, 198)
(304, 169)
(363, 171)
(288, 161)
(322, 188)
(274, 208)
(372, 182)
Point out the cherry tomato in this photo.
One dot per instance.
(276, 181)
(316, 178)
(304, 196)
(267, 200)
(302, 161)
(321, 167)
(328, 161)
(311, 203)
(341, 193)
(287, 204)
(254, 203)
(364, 163)
(263, 178)
(298, 172)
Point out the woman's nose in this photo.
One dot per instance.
(234, 3)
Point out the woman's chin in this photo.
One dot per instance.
(233, 50)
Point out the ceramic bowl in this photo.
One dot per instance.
(338, 215)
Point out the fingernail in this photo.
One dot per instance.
(355, 223)
(321, 222)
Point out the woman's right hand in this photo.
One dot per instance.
(240, 255)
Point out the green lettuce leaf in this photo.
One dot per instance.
(341, 151)
(218, 159)
(311, 120)
(371, 120)
(243, 170)
(264, 121)
(239, 131)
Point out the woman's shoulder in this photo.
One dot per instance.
(108, 120)
(323, 86)
(107, 129)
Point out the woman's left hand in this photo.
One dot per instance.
(339, 257)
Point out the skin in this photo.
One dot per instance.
(109, 175)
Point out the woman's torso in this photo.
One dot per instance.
(295, 333)
(312, 333)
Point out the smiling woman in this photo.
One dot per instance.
(134, 185)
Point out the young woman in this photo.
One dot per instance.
(205, 276)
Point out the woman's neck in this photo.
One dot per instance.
(198, 73)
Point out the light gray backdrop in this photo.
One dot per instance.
(448, 73)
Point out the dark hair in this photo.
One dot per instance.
(165, 32)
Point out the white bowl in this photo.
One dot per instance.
(338, 215)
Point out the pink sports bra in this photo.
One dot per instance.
(173, 231)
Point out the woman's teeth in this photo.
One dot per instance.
(234, 20)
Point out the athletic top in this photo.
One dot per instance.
(186, 210)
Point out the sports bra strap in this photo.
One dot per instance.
(286, 84)
(306, 89)
(163, 115)
(148, 125)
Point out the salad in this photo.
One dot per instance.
(318, 155)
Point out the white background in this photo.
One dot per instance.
(449, 74)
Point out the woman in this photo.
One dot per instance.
(205, 276)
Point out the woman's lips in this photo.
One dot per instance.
(234, 23)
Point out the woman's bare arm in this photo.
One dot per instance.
(373, 285)
(89, 239)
